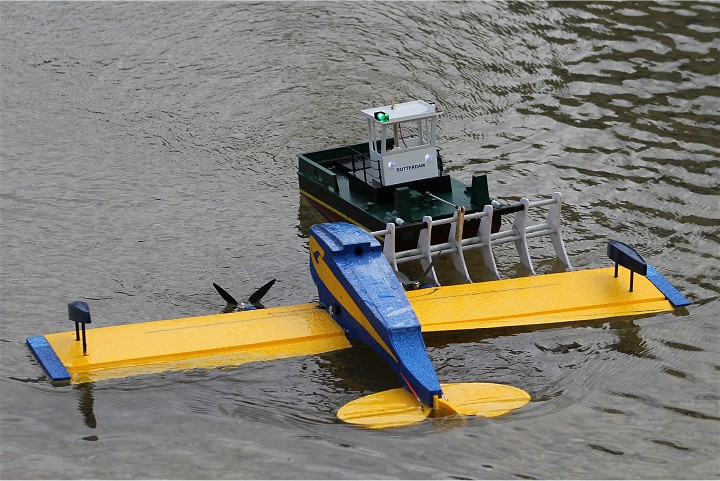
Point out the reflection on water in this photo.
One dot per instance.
(86, 403)
(630, 340)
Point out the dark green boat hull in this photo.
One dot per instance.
(336, 184)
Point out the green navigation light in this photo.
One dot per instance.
(381, 116)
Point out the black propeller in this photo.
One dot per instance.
(255, 298)
(223, 293)
(253, 301)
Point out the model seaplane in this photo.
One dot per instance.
(364, 297)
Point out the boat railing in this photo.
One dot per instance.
(365, 162)
(318, 173)
(484, 240)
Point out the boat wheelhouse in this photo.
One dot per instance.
(396, 176)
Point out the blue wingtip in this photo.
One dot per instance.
(48, 359)
(664, 286)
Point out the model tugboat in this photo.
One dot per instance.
(397, 176)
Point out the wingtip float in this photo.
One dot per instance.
(363, 299)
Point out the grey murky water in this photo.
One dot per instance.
(148, 150)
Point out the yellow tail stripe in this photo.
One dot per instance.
(343, 297)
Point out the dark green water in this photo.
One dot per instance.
(148, 150)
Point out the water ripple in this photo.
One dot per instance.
(148, 150)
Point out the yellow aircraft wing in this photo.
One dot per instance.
(236, 338)
(544, 299)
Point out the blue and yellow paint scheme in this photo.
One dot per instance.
(364, 301)
(362, 294)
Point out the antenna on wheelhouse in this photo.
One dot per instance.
(395, 126)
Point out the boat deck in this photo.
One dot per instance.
(344, 172)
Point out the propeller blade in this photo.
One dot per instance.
(228, 298)
(255, 298)
(432, 263)
(412, 285)
(402, 277)
(407, 284)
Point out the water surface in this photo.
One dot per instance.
(148, 150)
